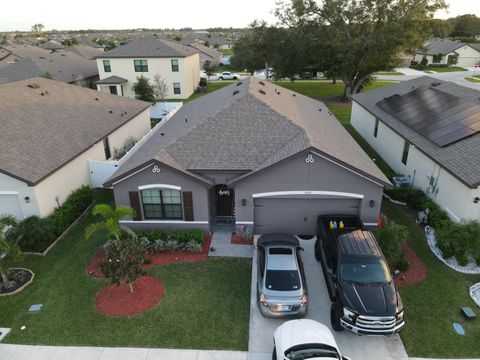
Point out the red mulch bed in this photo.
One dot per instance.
(416, 272)
(240, 240)
(119, 301)
(155, 259)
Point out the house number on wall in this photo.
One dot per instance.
(224, 192)
(310, 159)
(156, 169)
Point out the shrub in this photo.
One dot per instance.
(193, 246)
(390, 240)
(172, 240)
(71, 209)
(33, 233)
(171, 246)
(452, 242)
(127, 146)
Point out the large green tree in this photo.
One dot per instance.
(365, 35)
(467, 25)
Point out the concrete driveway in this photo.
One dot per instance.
(356, 347)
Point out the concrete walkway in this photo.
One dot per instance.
(31, 352)
(221, 242)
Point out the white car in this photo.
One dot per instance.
(304, 339)
(227, 75)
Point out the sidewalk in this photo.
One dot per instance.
(31, 352)
(221, 243)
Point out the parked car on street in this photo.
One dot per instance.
(281, 283)
(359, 282)
(227, 75)
(304, 339)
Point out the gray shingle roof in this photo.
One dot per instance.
(42, 133)
(63, 66)
(85, 51)
(461, 159)
(249, 131)
(52, 45)
(111, 80)
(440, 46)
(149, 47)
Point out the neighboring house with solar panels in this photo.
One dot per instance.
(176, 64)
(50, 132)
(427, 130)
(444, 51)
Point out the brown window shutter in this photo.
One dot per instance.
(188, 205)
(135, 204)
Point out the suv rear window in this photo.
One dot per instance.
(282, 280)
(280, 251)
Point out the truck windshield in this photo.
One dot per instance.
(282, 280)
(364, 270)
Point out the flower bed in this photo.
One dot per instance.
(416, 272)
(20, 279)
(240, 240)
(119, 301)
(154, 259)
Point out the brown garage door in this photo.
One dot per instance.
(297, 216)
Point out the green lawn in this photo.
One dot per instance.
(211, 87)
(432, 306)
(473, 79)
(393, 72)
(442, 69)
(227, 52)
(206, 304)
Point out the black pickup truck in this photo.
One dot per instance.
(359, 282)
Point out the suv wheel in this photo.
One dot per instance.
(274, 354)
(335, 317)
(234, 78)
(317, 250)
(220, 78)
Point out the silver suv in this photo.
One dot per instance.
(281, 283)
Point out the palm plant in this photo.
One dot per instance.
(9, 251)
(111, 219)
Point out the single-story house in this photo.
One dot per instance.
(427, 129)
(176, 65)
(207, 54)
(250, 154)
(444, 51)
(22, 62)
(49, 132)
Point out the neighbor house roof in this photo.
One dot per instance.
(247, 127)
(440, 46)
(85, 51)
(462, 158)
(212, 53)
(63, 66)
(47, 123)
(149, 47)
(112, 80)
(51, 45)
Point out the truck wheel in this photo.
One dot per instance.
(335, 317)
(274, 354)
(317, 250)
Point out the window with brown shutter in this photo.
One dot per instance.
(188, 205)
(135, 204)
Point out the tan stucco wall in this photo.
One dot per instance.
(188, 75)
(73, 175)
(452, 195)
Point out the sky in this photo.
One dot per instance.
(108, 14)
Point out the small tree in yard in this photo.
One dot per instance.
(209, 67)
(160, 87)
(123, 248)
(144, 90)
(9, 251)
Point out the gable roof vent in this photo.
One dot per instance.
(436, 83)
(262, 92)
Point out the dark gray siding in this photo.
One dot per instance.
(169, 177)
(295, 174)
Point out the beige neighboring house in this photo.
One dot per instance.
(177, 65)
(50, 132)
(207, 54)
(441, 51)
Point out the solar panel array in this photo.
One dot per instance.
(440, 117)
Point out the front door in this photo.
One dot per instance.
(224, 201)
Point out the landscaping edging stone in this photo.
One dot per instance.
(24, 285)
(62, 235)
(475, 293)
(471, 268)
(393, 201)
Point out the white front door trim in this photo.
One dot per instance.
(306, 192)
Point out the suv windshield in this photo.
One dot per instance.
(312, 353)
(282, 280)
(364, 270)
